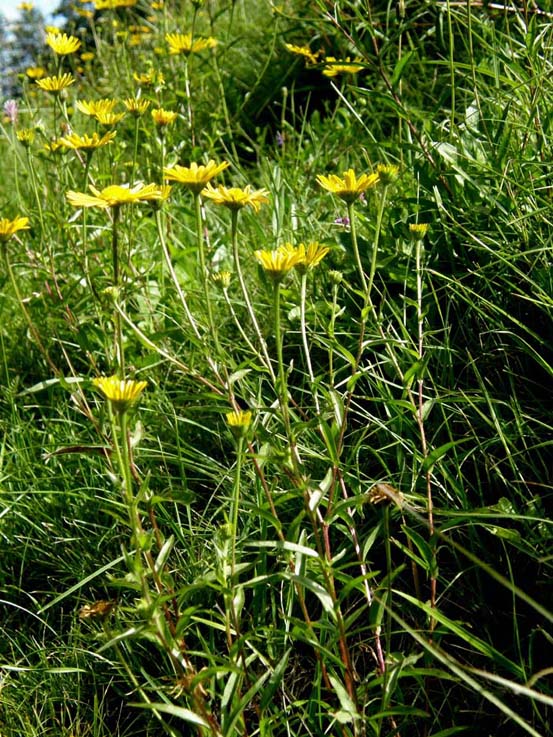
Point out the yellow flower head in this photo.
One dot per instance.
(10, 227)
(348, 187)
(235, 198)
(115, 195)
(109, 118)
(149, 78)
(122, 393)
(75, 141)
(136, 105)
(222, 278)
(26, 6)
(163, 117)
(62, 44)
(277, 263)
(87, 56)
(387, 173)
(55, 84)
(239, 422)
(54, 145)
(196, 176)
(183, 43)
(309, 255)
(113, 4)
(35, 72)
(304, 51)
(95, 107)
(418, 230)
(26, 136)
(53, 30)
(333, 67)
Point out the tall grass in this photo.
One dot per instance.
(328, 511)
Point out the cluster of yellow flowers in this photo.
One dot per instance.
(332, 67)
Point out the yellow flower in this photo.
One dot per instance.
(113, 4)
(62, 44)
(309, 256)
(239, 422)
(26, 6)
(163, 117)
(115, 195)
(235, 198)
(387, 173)
(122, 393)
(304, 51)
(53, 145)
(149, 78)
(195, 177)
(418, 230)
(344, 66)
(277, 263)
(222, 278)
(87, 56)
(75, 141)
(109, 118)
(10, 227)
(26, 136)
(35, 72)
(136, 105)
(183, 43)
(349, 187)
(94, 107)
(53, 30)
(55, 84)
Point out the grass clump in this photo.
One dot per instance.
(275, 373)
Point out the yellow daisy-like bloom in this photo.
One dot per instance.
(149, 78)
(235, 198)
(57, 83)
(87, 56)
(418, 230)
(239, 422)
(348, 187)
(62, 44)
(115, 195)
(10, 227)
(196, 176)
(53, 30)
(26, 136)
(75, 141)
(387, 173)
(222, 278)
(136, 105)
(113, 4)
(309, 255)
(334, 67)
(54, 145)
(95, 107)
(122, 393)
(277, 263)
(304, 51)
(184, 43)
(109, 118)
(35, 72)
(163, 117)
(26, 6)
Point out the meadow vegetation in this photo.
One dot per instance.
(276, 371)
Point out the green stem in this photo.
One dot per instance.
(353, 231)
(376, 243)
(203, 266)
(118, 338)
(303, 299)
(235, 508)
(245, 294)
(173, 274)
